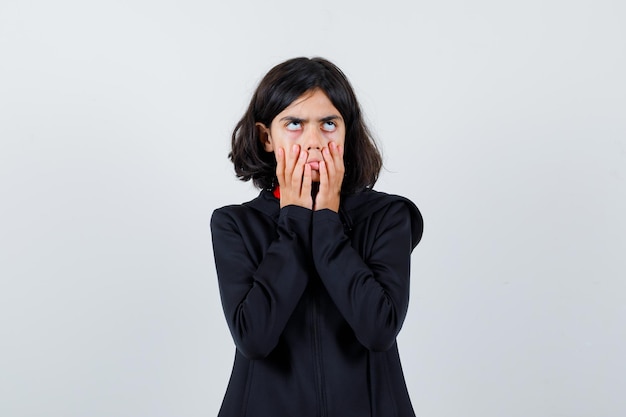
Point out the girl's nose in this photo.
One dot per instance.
(314, 140)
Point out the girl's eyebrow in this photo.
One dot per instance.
(292, 119)
(330, 118)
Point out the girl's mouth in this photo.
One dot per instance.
(314, 165)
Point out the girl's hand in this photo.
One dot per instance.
(331, 178)
(294, 177)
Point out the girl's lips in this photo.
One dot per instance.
(314, 165)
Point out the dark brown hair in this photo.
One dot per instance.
(278, 89)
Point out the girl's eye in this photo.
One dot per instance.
(329, 126)
(294, 125)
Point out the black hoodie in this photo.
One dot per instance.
(314, 301)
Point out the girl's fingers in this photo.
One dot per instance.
(337, 153)
(323, 175)
(306, 182)
(298, 171)
(294, 177)
(329, 163)
(328, 195)
(280, 166)
(290, 160)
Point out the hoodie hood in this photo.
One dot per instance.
(357, 207)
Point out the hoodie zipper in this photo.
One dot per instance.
(317, 357)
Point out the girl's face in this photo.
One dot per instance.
(310, 121)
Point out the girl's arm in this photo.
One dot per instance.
(372, 295)
(260, 287)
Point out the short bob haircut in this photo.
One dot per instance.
(278, 89)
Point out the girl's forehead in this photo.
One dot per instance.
(312, 100)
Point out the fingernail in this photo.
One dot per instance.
(295, 148)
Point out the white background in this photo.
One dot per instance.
(504, 121)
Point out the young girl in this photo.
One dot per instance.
(314, 272)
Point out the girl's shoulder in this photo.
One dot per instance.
(365, 204)
(264, 204)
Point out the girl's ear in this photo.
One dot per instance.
(264, 137)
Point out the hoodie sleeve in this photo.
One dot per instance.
(260, 288)
(372, 294)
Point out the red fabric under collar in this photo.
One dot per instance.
(276, 192)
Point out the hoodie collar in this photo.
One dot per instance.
(354, 208)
